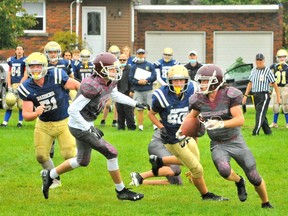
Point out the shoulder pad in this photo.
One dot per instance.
(233, 92)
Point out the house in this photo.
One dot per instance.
(220, 34)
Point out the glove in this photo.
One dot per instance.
(96, 132)
(141, 106)
(213, 124)
(179, 135)
(164, 134)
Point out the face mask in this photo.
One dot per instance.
(140, 60)
(123, 65)
(192, 61)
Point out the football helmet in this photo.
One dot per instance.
(107, 65)
(211, 73)
(114, 50)
(167, 54)
(36, 58)
(52, 46)
(280, 53)
(10, 99)
(85, 56)
(178, 72)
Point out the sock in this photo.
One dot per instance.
(286, 117)
(7, 116)
(120, 187)
(20, 116)
(275, 118)
(53, 173)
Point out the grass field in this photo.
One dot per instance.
(89, 191)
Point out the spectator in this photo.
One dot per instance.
(67, 55)
(141, 77)
(193, 64)
(260, 79)
(16, 75)
(125, 112)
(128, 52)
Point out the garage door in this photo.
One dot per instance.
(228, 46)
(181, 42)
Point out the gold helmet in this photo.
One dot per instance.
(10, 99)
(167, 54)
(281, 53)
(114, 50)
(85, 55)
(52, 46)
(36, 58)
(178, 72)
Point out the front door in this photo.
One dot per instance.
(94, 29)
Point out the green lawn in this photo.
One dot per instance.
(90, 191)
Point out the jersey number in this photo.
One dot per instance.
(16, 71)
(50, 104)
(280, 77)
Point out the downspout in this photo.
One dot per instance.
(78, 2)
(71, 16)
(132, 24)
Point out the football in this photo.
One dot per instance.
(192, 128)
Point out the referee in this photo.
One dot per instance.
(260, 80)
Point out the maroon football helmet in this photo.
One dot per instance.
(107, 65)
(213, 74)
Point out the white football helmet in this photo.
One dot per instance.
(50, 47)
(282, 53)
(36, 58)
(85, 56)
(167, 54)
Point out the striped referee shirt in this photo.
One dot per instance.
(261, 78)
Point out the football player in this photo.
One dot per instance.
(88, 104)
(220, 107)
(84, 66)
(280, 70)
(163, 65)
(16, 75)
(45, 99)
(171, 103)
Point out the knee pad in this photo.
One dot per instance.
(197, 171)
(254, 177)
(42, 159)
(175, 180)
(112, 164)
(223, 168)
(276, 108)
(73, 163)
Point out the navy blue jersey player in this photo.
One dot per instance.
(45, 99)
(83, 67)
(163, 65)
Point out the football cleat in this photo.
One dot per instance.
(126, 194)
(242, 194)
(136, 179)
(102, 123)
(266, 205)
(56, 183)
(273, 125)
(19, 125)
(213, 197)
(46, 182)
(114, 123)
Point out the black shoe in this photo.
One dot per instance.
(114, 123)
(52, 150)
(46, 182)
(242, 194)
(136, 179)
(156, 163)
(102, 123)
(212, 196)
(4, 125)
(266, 205)
(126, 194)
(19, 125)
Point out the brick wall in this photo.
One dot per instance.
(209, 23)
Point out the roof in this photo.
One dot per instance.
(207, 8)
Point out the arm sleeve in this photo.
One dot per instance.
(121, 98)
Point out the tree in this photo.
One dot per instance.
(14, 20)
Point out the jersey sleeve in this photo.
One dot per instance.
(159, 101)
(194, 102)
(235, 96)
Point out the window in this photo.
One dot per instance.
(36, 7)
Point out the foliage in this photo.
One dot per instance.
(68, 40)
(90, 191)
(13, 24)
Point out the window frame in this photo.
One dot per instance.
(44, 16)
